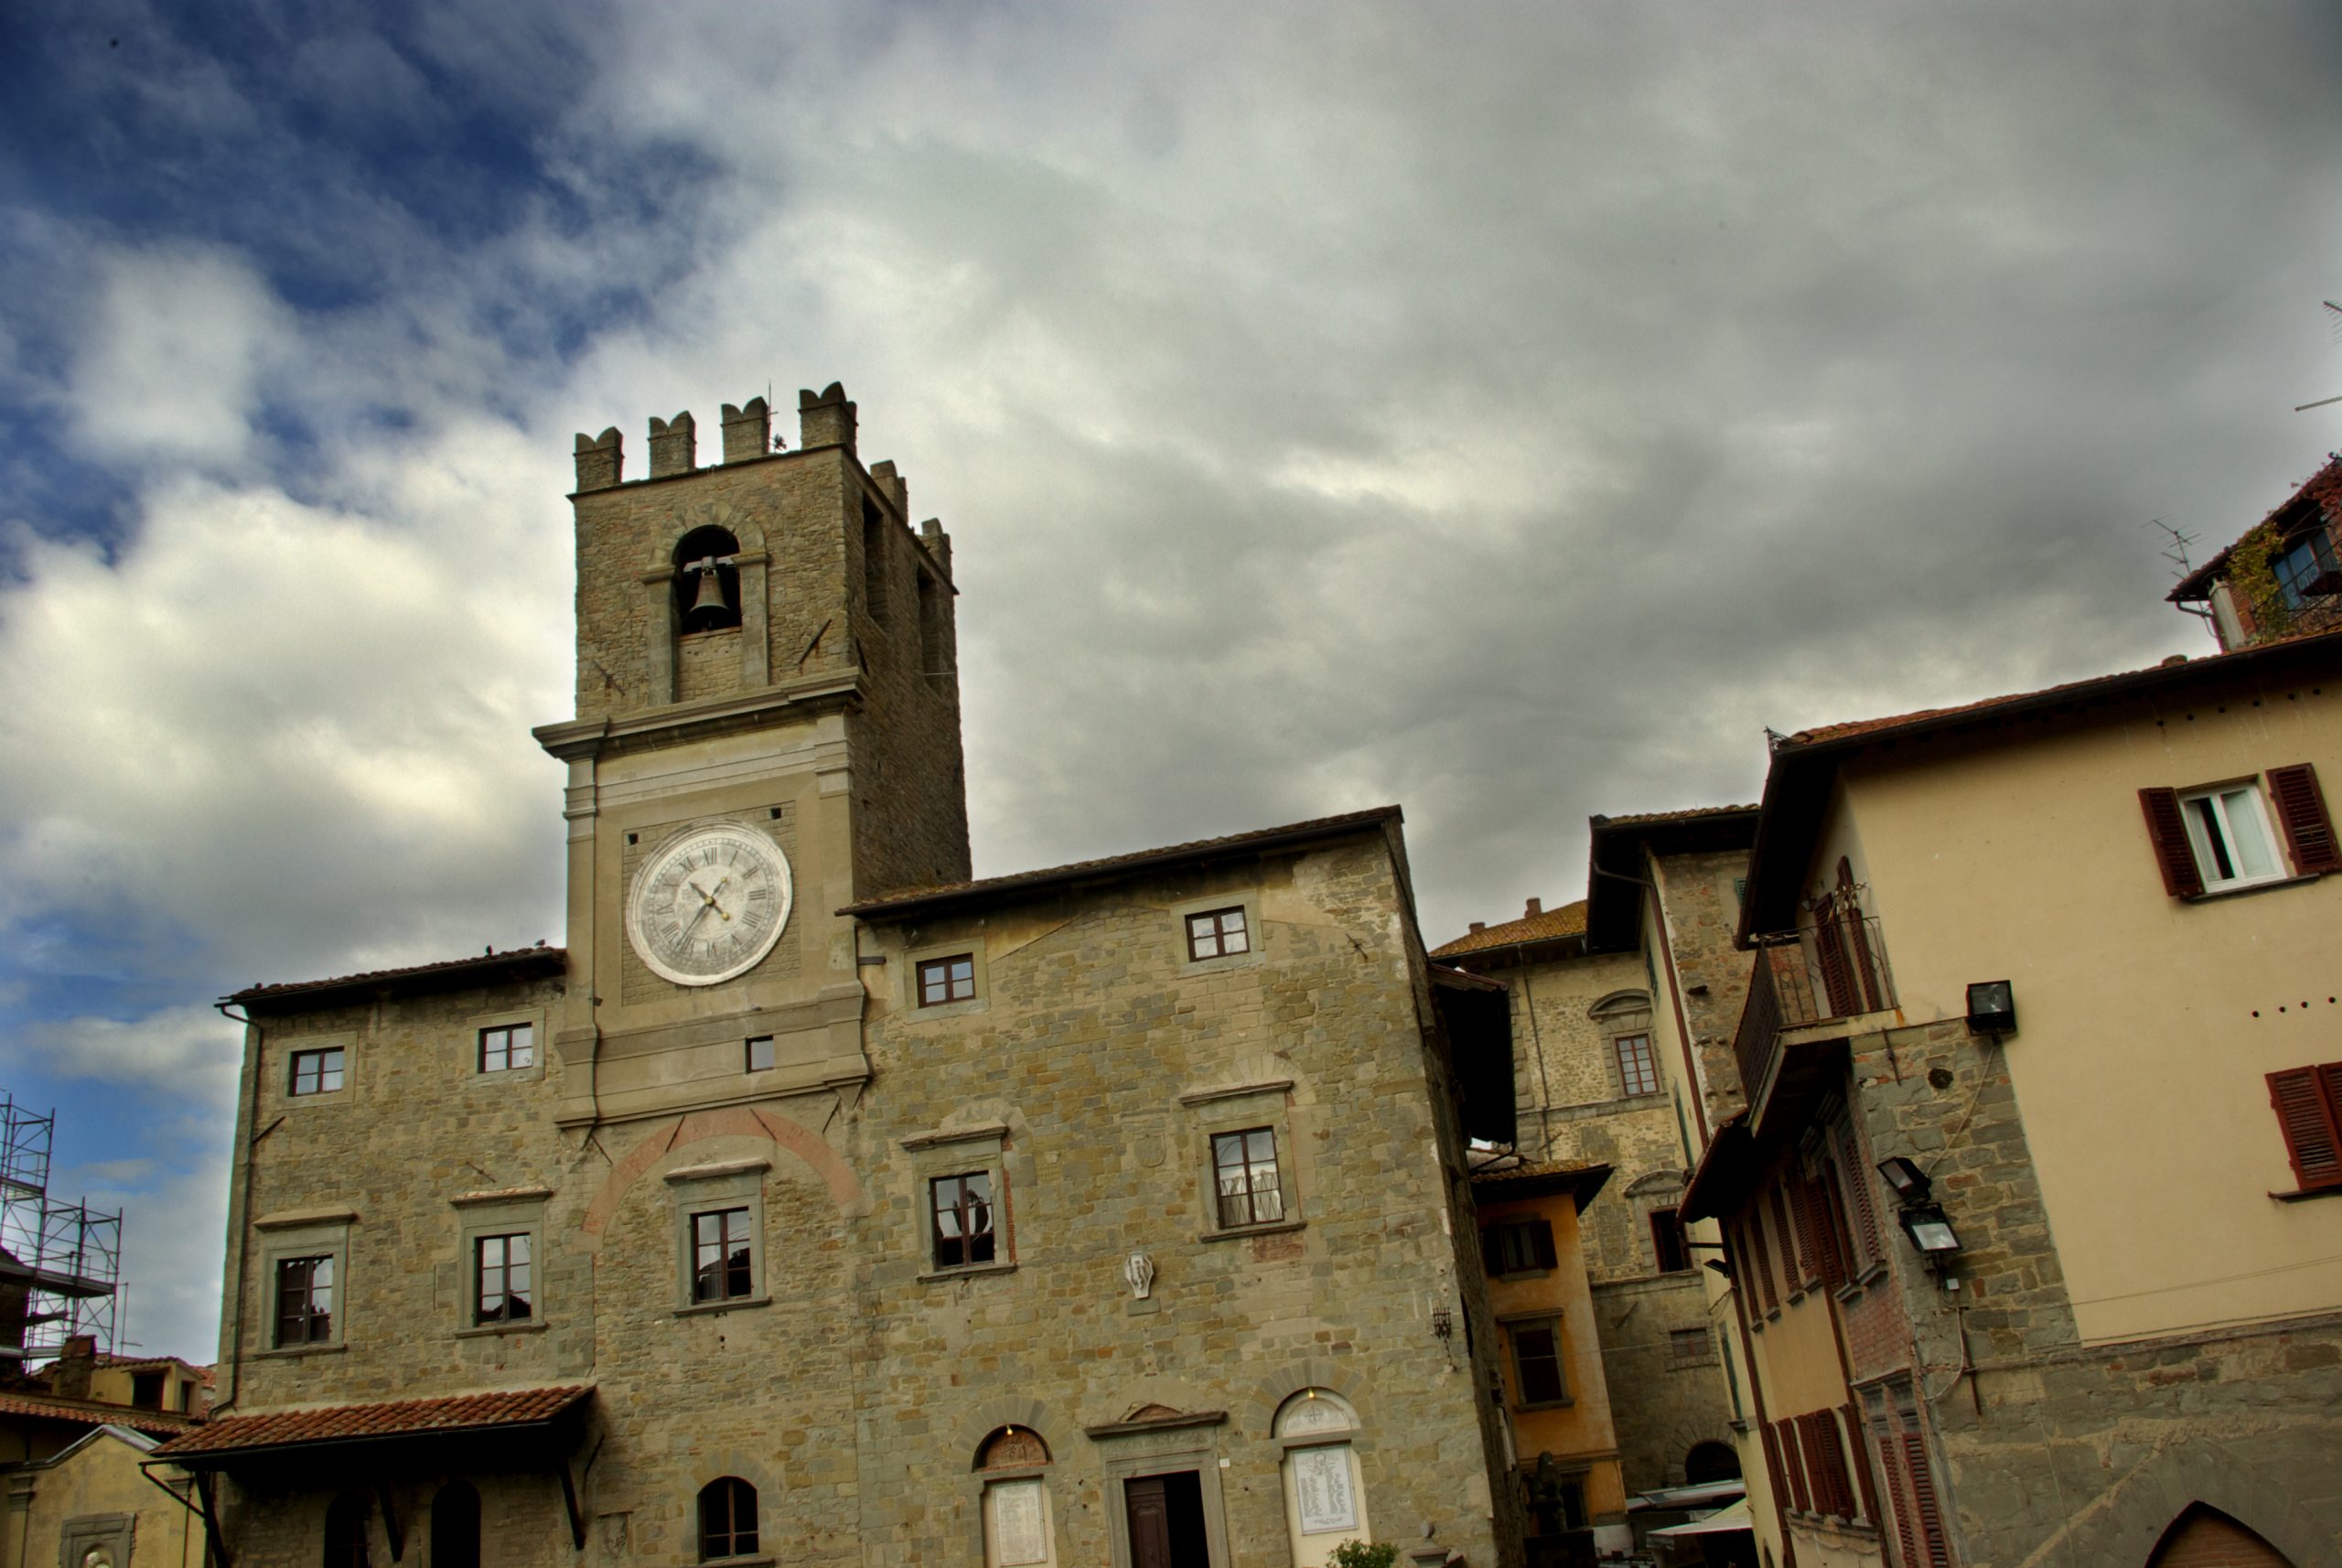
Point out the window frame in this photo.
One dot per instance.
(1514, 1326)
(942, 1154)
(506, 1030)
(1645, 1071)
(727, 1263)
(298, 1235)
(949, 964)
(732, 1486)
(1246, 903)
(966, 1241)
(280, 1274)
(1230, 919)
(748, 1054)
(2213, 842)
(1517, 1246)
(720, 1188)
(911, 996)
(340, 1069)
(505, 1212)
(2288, 808)
(1249, 1165)
(1668, 1241)
(528, 1267)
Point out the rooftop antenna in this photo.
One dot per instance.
(2175, 552)
(2334, 328)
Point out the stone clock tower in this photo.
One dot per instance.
(767, 730)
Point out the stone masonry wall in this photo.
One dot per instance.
(1702, 919)
(1667, 1397)
(910, 792)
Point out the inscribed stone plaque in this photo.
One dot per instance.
(1321, 1485)
(1018, 1534)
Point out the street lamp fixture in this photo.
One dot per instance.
(1991, 1008)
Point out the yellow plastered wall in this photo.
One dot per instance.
(1580, 1432)
(99, 1477)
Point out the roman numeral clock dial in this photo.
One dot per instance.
(709, 904)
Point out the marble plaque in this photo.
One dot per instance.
(1019, 1529)
(1321, 1485)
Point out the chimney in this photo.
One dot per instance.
(1478, 926)
(77, 1360)
(601, 460)
(747, 431)
(674, 446)
(1536, 906)
(824, 418)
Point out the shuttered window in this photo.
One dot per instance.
(2308, 1102)
(1517, 1247)
(1853, 1180)
(2300, 809)
(1760, 1259)
(2219, 837)
(1862, 1470)
(1793, 1461)
(1797, 1272)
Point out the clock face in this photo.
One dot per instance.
(709, 904)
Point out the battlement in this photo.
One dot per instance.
(824, 419)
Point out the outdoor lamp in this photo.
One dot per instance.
(1929, 1231)
(1992, 1007)
(1910, 1182)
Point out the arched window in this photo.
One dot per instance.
(1017, 1522)
(345, 1531)
(454, 1527)
(727, 1519)
(707, 585)
(2204, 1534)
(1324, 1495)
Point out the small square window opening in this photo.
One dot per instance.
(502, 1266)
(1689, 1348)
(722, 1261)
(1244, 1166)
(760, 1053)
(507, 1047)
(947, 979)
(961, 1209)
(1667, 1241)
(303, 1301)
(317, 1072)
(1217, 933)
(1638, 1072)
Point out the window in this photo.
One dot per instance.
(1638, 1072)
(960, 1207)
(345, 1531)
(760, 1053)
(1217, 933)
(146, 1390)
(1690, 1347)
(2308, 1102)
(1667, 1243)
(1537, 1362)
(2211, 839)
(507, 1047)
(303, 1301)
(947, 979)
(1517, 1247)
(317, 1072)
(454, 1526)
(2307, 567)
(722, 1261)
(501, 1267)
(1244, 1166)
(728, 1520)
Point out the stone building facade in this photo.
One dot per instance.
(816, 1201)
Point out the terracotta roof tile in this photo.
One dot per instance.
(1688, 814)
(1533, 1170)
(1074, 871)
(453, 968)
(395, 1418)
(53, 1408)
(1983, 706)
(1546, 926)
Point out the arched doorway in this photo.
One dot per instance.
(1709, 1462)
(2204, 1536)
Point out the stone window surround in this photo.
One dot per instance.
(83, 1533)
(1350, 1438)
(964, 1152)
(1247, 900)
(704, 1189)
(1620, 1014)
(280, 1085)
(1236, 1109)
(971, 948)
(321, 1232)
(511, 1211)
(541, 1043)
(986, 1479)
(1511, 1320)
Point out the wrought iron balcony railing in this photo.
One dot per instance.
(1836, 969)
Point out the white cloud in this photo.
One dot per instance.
(187, 1053)
(174, 363)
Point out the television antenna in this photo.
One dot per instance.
(2334, 325)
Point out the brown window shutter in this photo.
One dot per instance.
(1855, 1176)
(1893, 1471)
(1776, 1475)
(1837, 976)
(1793, 1461)
(1790, 1270)
(1862, 1468)
(1812, 1231)
(2302, 808)
(1829, 1212)
(2173, 856)
(1850, 907)
(2306, 1100)
(1760, 1258)
(1923, 1493)
(1542, 1242)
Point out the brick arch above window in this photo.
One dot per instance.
(667, 1138)
(1618, 1004)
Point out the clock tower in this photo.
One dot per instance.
(767, 730)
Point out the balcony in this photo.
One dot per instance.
(1836, 969)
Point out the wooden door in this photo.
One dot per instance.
(1149, 1510)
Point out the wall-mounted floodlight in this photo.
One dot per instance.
(1992, 1007)
(1929, 1231)
(1910, 1182)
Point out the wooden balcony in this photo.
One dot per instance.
(1834, 970)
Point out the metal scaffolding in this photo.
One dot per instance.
(59, 1262)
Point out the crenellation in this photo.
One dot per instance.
(747, 431)
(601, 460)
(824, 418)
(674, 446)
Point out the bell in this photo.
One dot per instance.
(710, 599)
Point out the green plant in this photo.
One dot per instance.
(1365, 1554)
(2253, 580)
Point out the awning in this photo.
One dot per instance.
(288, 1435)
(1736, 1517)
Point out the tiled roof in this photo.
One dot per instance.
(487, 966)
(2324, 486)
(1533, 1170)
(1688, 814)
(1082, 870)
(1547, 925)
(53, 1408)
(1984, 707)
(395, 1418)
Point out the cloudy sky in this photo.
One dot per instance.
(1505, 410)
